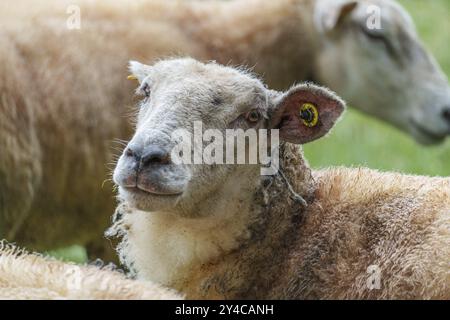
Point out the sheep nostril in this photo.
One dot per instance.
(155, 155)
(129, 152)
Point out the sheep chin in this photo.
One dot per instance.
(147, 201)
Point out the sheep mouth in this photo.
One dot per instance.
(149, 201)
(427, 136)
(146, 191)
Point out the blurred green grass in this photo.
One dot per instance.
(73, 253)
(359, 140)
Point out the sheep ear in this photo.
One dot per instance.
(328, 16)
(139, 71)
(305, 113)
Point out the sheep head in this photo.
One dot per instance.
(181, 153)
(372, 55)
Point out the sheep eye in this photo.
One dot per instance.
(380, 38)
(309, 114)
(144, 90)
(253, 116)
(147, 91)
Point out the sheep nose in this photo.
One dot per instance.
(154, 155)
(446, 114)
(142, 158)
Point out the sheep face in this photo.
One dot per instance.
(184, 98)
(373, 56)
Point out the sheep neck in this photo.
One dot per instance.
(273, 223)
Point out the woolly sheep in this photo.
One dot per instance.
(62, 94)
(33, 276)
(226, 231)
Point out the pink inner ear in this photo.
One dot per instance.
(292, 128)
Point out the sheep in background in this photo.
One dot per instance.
(62, 91)
(343, 44)
(225, 231)
(33, 276)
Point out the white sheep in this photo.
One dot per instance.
(62, 92)
(33, 276)
(225, 231)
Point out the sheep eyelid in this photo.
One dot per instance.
(380, 38)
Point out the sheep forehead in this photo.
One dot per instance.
(206, 81)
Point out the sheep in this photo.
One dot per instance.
(224, 231)
(62, 95)
(26, 275)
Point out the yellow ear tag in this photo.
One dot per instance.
(132, 77)
(309, 114)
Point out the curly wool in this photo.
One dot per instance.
(32, 276)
